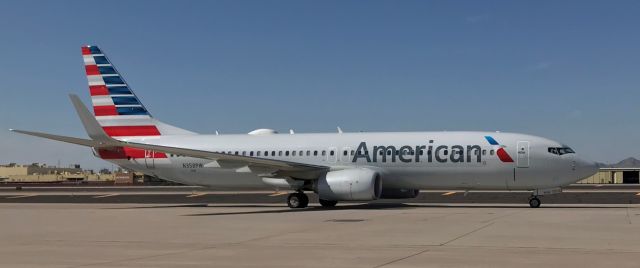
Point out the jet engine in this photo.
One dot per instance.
(389, 193)
(359, 184)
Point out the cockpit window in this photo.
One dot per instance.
(561, 150)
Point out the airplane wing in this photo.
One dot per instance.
(219, 160)
(99, 139)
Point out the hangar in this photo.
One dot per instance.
(614, 176)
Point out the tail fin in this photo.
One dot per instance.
(116, 107)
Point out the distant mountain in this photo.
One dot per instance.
(627, 163)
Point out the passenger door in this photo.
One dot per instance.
(522, 160)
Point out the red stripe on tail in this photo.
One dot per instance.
(92, 69)
(114, 131)
(105, 110)
(98, 90)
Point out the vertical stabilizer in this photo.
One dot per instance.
(116, 107)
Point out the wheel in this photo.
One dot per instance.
(328, 203)
(297, 200)
(305, 200)
(534, 202)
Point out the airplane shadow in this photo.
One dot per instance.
(381, 206)
(368, 206)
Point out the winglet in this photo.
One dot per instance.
(91, 125)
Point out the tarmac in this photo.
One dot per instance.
(229, 233)
(576, 194)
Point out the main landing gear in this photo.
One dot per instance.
(328, 203)
(301, 200)
(534, 201)
(298, 200)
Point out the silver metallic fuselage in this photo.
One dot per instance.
(533, 166)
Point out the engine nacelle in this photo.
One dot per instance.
(358, 184)
(389, 193)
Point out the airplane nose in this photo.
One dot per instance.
(585, 168)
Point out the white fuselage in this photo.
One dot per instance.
(423, 160)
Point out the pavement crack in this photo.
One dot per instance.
(468, 233)
(403, 258)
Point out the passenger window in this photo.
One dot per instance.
(484, 152)
(293, 153)
(491, 152)
(301, 153)
(308, 153)
(258, 153)
(279, 153)
(266, 153)
(244, 153)
(286, 153)
(236, 152)
(273, 153)
(344, 153)
(251, 153)
(315, 153)
(324, 152)
(332, 153)
(421, 152)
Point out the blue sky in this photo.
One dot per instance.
(566, 70)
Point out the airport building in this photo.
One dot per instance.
(614, 176)
(40, 173)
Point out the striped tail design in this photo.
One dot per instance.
(117, 108)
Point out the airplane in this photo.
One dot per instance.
(338, 166)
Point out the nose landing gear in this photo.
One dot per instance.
(534, 201)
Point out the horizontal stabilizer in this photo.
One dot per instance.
(78, 141)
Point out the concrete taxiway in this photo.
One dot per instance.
(578, 194)
(355, 235)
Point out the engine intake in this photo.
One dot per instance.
(350, 184)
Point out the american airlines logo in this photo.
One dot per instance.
(429, 153)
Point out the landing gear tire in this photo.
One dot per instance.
(297, 200)
(534, 202)
(328, 203)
